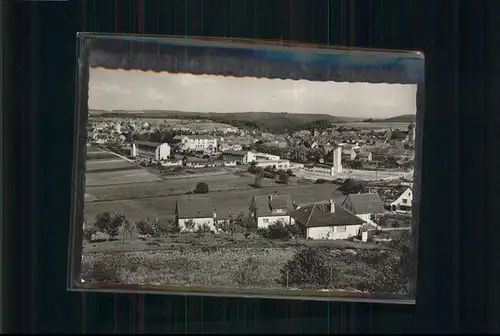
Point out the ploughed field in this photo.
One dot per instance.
(105, 168)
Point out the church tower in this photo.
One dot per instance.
(337, 161)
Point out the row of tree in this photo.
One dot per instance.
(118, 226)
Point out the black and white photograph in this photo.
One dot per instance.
(262, 184)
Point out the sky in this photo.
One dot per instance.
(139, 90)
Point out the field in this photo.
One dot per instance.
(375, 125)
(105, 169)
(230, 193)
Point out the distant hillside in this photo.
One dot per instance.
(265, 121)
(405, 118)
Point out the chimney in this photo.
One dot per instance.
(332, 206)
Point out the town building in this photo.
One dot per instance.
(266, 210)
(240, 157)
(277, 164)
(197, 143)
(364, 156)
(403, 202)
(327, 220)
(364, 205)
(200, 211)
(150, 150)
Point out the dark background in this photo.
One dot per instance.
(458, 271)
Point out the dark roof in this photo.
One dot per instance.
(364, 154)
(195, 208)
(319, 215)
(148, 143)
(365, 203)
(267, 205)
(398, 134)
(242, 153)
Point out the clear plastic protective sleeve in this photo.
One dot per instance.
(244, 168)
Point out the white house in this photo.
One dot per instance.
(364, 205)
(150, 150)
(198, 143)
(403, 202)
(200, 211)
(243, 157)
(327, 220)
(266, 210)
(278, 164)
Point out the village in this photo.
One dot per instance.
(373, 164)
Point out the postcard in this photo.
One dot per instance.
(243, 168)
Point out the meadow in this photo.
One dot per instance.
(106, 168)
(255, 267)
(230, 193)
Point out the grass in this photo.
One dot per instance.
(116, 163)
(225, 267)
(137, 202)
(118, 177)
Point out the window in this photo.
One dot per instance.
(265, 221)
(405, 201)
(342, 228)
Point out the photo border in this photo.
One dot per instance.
(267, 59)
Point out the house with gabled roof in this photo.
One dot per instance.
(327, 220)
(266, 210)
(150, 150)
(201, 211)
(364, 205)
(404, 201)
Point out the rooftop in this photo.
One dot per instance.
(148, 143)
(365, 203)
(269, 205)
(195, 208)
(319, 215)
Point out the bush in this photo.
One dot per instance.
(89, 231)
(284, 178)
(352, 186)
(102, 270)
(201, 188)
(258, 182)
(320, 181)
(248, 273)
(308, 269)
(277, 230)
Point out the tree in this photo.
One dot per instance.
(299, 153)
(228, 226)
(127, 230)
(352, 186)
(108, 224)
(308, 269)
(116, 224)
(189, 225)
(284, 178)
(89, 231)
(102, 221)
(248, 273)
(201, 188)
(258, 182)
(203, 229)
(276, 230)
(145, 228)
(173, 227)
